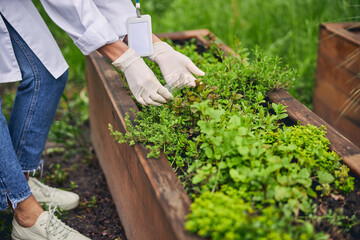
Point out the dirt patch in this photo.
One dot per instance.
(96, 217)
(344, 206)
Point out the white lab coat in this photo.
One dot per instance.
(90, 23)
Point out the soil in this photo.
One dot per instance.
(96, 217)
(348, 205)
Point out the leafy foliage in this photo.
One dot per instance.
(242, 166)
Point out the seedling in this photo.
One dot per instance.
(59, 175)
(92, 202)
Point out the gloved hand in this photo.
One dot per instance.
(175, 67)
(142, 81)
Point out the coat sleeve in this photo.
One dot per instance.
(85, 22)
(117, 12)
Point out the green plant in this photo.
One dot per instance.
(59, 175)
(92, 203)
(228, 216)
(237, 159)
(73, 185)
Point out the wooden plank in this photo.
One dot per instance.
(203, 36)
(149, 198)
(337, 76)
(345, 126)
(298, 112)
(184, 35)
(338, 45)
(344, 30)
(326, 94)
(328, 70)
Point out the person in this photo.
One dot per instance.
(29, 54)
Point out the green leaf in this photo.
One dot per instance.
(273, 168)
(306, 182)
(243, 150)
(206, 127)
(222, 165)
(325, 177)
(215, 114)
(282, 193)
(241, 131)
(304, 173)
(234, 122)
(293, 203)
(288, 148)
(198, 178)
(311, 192)
(305, 206)
(209, 152)
(282, 179)
(234, 174)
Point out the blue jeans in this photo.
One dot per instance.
(23, 138)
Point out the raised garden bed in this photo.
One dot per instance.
(149, 198)
(336, 96)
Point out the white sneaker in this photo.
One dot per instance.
(47, 227)
(46, 195)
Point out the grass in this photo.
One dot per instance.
(286, 28)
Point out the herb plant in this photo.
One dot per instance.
(250, 175)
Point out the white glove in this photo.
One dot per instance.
(175, 67)
(142, 81)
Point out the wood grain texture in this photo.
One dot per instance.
(341, 46)
(337, 102)
(338, 76)
(203, 37)
(329, 70)
(343, 124)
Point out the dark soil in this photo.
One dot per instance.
(96, 217)
(348, 205)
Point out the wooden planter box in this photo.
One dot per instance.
(337, 75)
(149, 198)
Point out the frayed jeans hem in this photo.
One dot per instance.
(15, 201)
(29, 171)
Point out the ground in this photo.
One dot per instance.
(349, 205)
(96, 217)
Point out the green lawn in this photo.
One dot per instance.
(287, 28)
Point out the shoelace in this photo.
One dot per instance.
(54, 226)
(46, 190)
